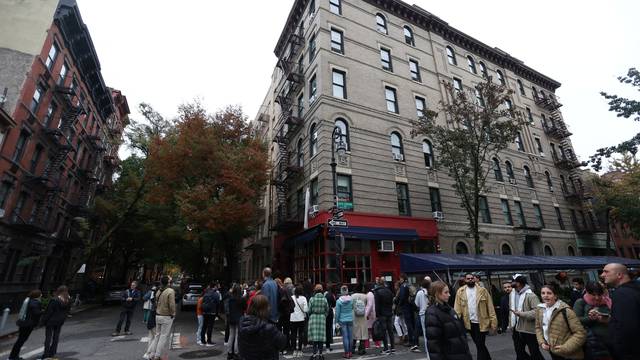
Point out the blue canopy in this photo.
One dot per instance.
(303, 237)
(421, 263)
(374, 233)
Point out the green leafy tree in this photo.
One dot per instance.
(477, 126)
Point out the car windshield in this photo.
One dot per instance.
(196, 290)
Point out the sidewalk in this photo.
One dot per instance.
(10, 327)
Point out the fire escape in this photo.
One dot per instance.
(567, 160)
(287, 123)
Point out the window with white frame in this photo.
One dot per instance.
(472, 65)
(457, 84)
(497, 171)
(344, 132)
(396, 146)
(527, 176)
(500, 77)
(52, 56)
(312, 48)
(519, 143)
(483, 70)
(385, 59)
(36, 99)
(313, 87)
(408, 36)
(427, 151)
(414, 68)
(337, 41)
(335, 6)
(392, 101)
(421, 106)
(451, 56)
(313, 140)
(521, 87)
(300, 153)
(381, 23)
(479, 97)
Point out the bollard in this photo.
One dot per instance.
(5, 316)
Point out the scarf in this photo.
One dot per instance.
(589, 299)
(23, 309)
(516, 302)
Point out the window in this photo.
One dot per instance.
(497, 172)
(527, 176)
(520, 87)
(396, 146)
(574, 219)
(337, 44)
(313, 87)
(53, 55)
(408, 36)
(339, 84)
(472, 65)
(519, 143)
(451, 56)
(313, 142)
(414, 67)
(520, 214)
(421, 105)
(35, 158)
(563, 183)
(484, 209)
(529, 115)
(538, 213)
(457, 84)
(312, 7)
(534, 92)
(344, 130)
(51, 110)
(548, 251)
(301, 106)
(461, 248)
(549, 182)
(434, 195)
(584, 219)
(500, 77)
(539, 146)
(37, 98)
(314, 192)
(559, 216)
(508, 104)
(506, 211)
(381, 23)
(63, 74)
(479, 97)
(312, 47)
(506, 249)
(335, 6)
(483, 70)
(300, 204)
(345, 195)
(510, 173)
(300, 154)
(385, 59)
(5, 192)
(390, 96)
(427, 150)
(402, 191)
(20, 146)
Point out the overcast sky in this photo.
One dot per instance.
(169, 52)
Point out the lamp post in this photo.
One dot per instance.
(336, 137)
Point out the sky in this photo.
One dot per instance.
(167, 53)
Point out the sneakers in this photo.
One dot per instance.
(128, 333)
(198, 342)
(415, 348)
(393, 351)
(145, 356)
(385, 352)
(115, 333)
(211, 344)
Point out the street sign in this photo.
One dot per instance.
(338, 214)
(336, 222)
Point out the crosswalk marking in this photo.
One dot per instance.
(144, 339)
(175, 341)
(117, 338)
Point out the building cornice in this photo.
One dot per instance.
(297, 10)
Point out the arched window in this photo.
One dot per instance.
(571, 251)
(451, 56)
(408, 36)
(500, 77)
(510, 173)
(527, 176)
(396, 146)
(548, 251)
(344, 130)
(427, 150)
(313, 140)
(549, 182)
(472, 64)
(506, 249)
(461, 248)
(520, 87)
(483, 70)
(496, 170)
(381, 22)
(300, 154)
(543, 95)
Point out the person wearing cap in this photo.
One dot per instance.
(522, 304)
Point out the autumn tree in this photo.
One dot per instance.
(213, 168)
(478, 123)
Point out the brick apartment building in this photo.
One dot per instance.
(61, 129)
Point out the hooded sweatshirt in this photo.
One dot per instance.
(344, 309)
(259, 339)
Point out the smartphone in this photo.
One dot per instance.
(603, 315)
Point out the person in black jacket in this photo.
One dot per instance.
(384, 311)
(233, 313)
(53, 319)
(503, 314)
(446, 337)
(130, 298)
(27, 321)
(331, 300)
(258, 337)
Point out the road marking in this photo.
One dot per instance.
(37, 351)
(144, 339)
(116, 338)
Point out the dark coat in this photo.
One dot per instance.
(56, 312)
(235, 308)
(624, 325)
(445, 334)
(134, 294)
(504, 313)
(259, 339)
(34, 311)
(384, 301)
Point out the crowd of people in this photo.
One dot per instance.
(272, 317)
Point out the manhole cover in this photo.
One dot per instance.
(200, 354)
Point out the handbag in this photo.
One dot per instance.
(378, 330)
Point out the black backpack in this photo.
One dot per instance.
(210, 302)
(285, 305)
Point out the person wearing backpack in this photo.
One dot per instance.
(28, 319)
(285, 309)
(360, 329)
(210, 305)
(407, 306)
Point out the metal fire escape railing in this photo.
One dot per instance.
(287, 123)
(554, 126)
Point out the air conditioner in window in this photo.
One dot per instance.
(398, 157)
(314, 209)
(541, 154)
(512, 181)
(385, 246)
(438, 215)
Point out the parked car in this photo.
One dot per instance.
(191, 296)
(114, 295)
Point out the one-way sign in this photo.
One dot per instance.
(336, 222)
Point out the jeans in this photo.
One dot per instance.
(388, 327)
(409, 320)
(23, 336)
(522, 340)
(207, 328)
(163, 335)
(297, 333)
(52, 335)
(199, 330)
(128, 314)
(232, 343)
(346, 328)
(478, 338)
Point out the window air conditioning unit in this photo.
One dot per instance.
(385, 246)
(398, 157)
(512, 181)
(541, 154)
(315, 209)
(438, 215)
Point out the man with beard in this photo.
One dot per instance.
(474, 305)
(522, 304)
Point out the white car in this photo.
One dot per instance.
(190, 298)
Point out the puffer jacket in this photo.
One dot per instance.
(569, 338)
(598, 343)
(259, 339)
(446, 339)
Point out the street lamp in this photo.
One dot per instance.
(336, 137)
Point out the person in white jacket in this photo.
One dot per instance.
(298, 316)
(422, 302)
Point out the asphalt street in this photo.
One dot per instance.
(87, 335)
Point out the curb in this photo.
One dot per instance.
(71, 312)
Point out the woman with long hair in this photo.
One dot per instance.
(446, 335)
(344, 317)
(558, 329)
(593, 310)
(258, 337)
(234, 313)
(28, 319)
(53, 319)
